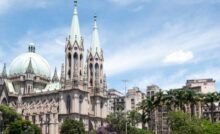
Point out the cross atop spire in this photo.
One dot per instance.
(75, 28)
(95, 38)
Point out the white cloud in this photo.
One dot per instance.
(128, 2)
(8, 5)
(150, 52)
(178, 57)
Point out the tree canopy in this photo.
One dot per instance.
(70, 126)
(12, 122)
(183, 123)
(118, 122)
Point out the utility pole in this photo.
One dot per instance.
(126, 126)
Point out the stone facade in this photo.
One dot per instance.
(80, 93)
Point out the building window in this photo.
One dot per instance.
(80, 104)
(68, 104)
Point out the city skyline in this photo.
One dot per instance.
(146, 42)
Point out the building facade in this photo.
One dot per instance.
(158, 118)
(116, 101)
(80, 93)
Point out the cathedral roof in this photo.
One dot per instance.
(21, 63)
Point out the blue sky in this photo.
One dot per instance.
(161, 42)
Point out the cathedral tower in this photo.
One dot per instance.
(95, 62)
(74, 52)
(96, 78)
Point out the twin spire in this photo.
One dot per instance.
(95, 38)
(75, 29)
(75, 34)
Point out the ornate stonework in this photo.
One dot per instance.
(80, 93)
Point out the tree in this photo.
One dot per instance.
(13, 123)
(72, 127)
(9, 115)
(134, 117)
(209, 100)
(117, 123)
(22, 127)
(181, 123)
(117, 120)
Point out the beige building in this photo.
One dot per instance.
(158, 122)
(201, 85)
(116, 101)
(80, 93)
(133, 97)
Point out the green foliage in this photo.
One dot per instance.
(13, 123)
(118, 122)
(133, 130)
(9, 115)
(22, 127)
(182, 123)
(134, 117)
(72, 127)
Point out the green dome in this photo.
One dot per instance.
(39, 64)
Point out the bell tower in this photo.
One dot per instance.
(96, 78)
(95, 62)
(74, 50)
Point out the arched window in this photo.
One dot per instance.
(68, 104)
(80, 73)
(75, 58)
(91, 83)
(69, 74)
(81, 60)
(80, 103)
(96, 69)
(69, 60)
(91, 69)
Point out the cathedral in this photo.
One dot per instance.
(79, 93)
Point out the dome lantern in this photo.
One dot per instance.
(31, 48)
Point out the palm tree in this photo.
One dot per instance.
(147, 107)
(209, 99)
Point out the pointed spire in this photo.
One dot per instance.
(4, 71)
(55, 76)
(95, 38)
(62, 75)
(75, 29)
(85, 74)
(30, 67)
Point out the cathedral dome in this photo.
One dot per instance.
(20, 64)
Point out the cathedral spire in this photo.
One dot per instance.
(95, 38)
(75, 29)
(30, 67)
(55, 76)
(4, 72)
(62, 75)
